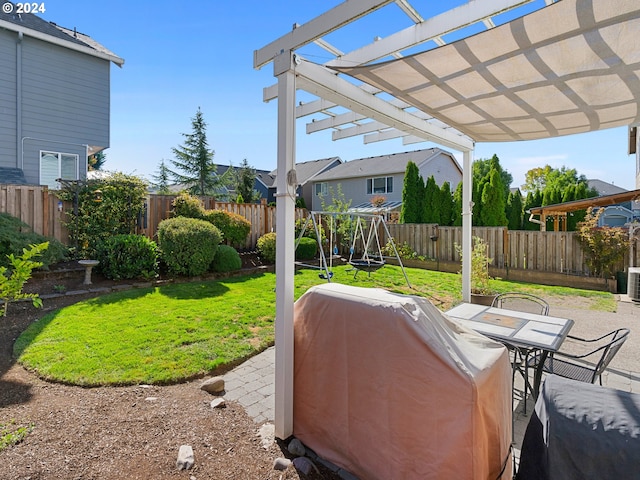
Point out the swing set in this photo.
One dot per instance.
(365, 252)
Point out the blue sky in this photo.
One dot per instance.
(183, 55)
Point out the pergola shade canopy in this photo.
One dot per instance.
(572, 67)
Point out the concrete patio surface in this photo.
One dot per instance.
(251, 384)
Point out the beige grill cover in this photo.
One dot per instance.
(386, 387)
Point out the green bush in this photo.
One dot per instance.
(185, 205)
(16, 235)
(188, 245)
(234, 227)
(128, 256)
(227, 259)
(267, 247)
(307, 249)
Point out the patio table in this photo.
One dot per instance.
(528, 331)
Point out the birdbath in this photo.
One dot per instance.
(88, 265)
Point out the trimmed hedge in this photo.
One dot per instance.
(234, 227)
(128, 256)
(188, 245)
(307, 249)
(185, 205)
(227, 259)
(267, 247)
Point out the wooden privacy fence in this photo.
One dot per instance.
(558, 252)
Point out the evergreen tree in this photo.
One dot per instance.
(161, 179)
(446, 205)
(493, 201)
(422, 191)
(243, 180)
(411, 205)
(431, 210)
(457, 206)
(514, 210)
(193, 165)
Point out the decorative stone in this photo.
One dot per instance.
(281, 463)
(185, 458)
(267, 434)
(213, 385)
(296, 448)
(304, 465)
(218, 403)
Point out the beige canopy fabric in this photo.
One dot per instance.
(571, 67)
(387, 387)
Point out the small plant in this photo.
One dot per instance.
(10, 434)
(226, 259)
(479, 267)
(404, 251)
(378, 200)
(59, 288)
(267, 247)
(604, 247)
(12, 281)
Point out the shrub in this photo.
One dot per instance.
(16, 235)
(226, 259)
(12, 282)
(307, 249)
(185, 205)
(188, 245)
(267, 247)
(234, 227)
(128, 256)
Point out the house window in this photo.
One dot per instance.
(54, 165)
(322, 189)
(379, 185)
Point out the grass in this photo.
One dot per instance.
(12, 434)
(171, 333)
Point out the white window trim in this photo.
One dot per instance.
(324, 189)
(59, 157)
(386, 184)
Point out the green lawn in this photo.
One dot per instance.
(175, 332)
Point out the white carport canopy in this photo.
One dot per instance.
(567, 68)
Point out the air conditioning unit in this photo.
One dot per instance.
(633, 285)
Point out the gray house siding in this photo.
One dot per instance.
(354, 188)
(52, 99)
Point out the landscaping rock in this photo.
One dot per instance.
(296, 448)
(185, 458)
(267, 434)
(213, 385)
(304, 465)
(218, 403)
(281, 463)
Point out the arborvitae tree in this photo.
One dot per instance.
(243, 180)
(421, 196)
(193, 164)
(514, 210)
(446, 205)
(411, 205)
(493, 201)
(431, 210)
(476, 198)
(161, 179)
(457, 206)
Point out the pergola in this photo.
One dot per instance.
(570, 67)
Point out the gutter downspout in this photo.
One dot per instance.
(533, 220)
(19, 152)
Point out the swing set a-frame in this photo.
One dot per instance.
(365, 251)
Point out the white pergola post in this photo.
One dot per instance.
(285, 243)
(467, 218)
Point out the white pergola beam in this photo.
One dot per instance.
(326, 23)
(449, 21)
(316, 106)
(356, 130)
(410, 11)
(385, 135)
(334, 122)
(326, 84)
(328, 47)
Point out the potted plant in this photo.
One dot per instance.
(481, 292)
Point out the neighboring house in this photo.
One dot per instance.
(54, 100)
(306, 173)
(363, 179)
(614, 215)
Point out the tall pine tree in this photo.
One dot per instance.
(161, 179)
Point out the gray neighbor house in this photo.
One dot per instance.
(363, 179)
(54, 100)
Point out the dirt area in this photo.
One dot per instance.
(124, 432)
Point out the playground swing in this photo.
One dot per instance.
(326, 270)
(369, 261)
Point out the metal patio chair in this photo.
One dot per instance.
(577, 366)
